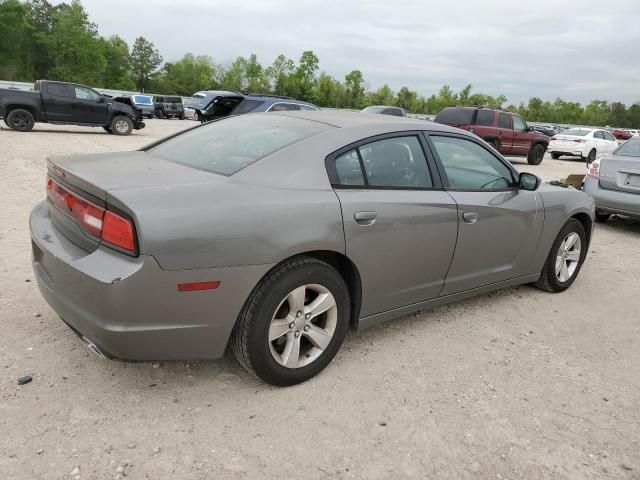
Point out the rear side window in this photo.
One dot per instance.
(57, 89)
(227, 146)
(456, 116)
(599, 135)
(503, 121)
(172, 100)
(246, 106)
(469, 166)
(485, 117)
(142, 100)
(608, 136)
(397, 162)
(283, 107)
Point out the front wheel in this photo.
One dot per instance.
(536, 154)
(565, 258)
(121, 125)
(592, 156)
(293, 323)
(20, 120)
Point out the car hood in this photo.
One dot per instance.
(99, 173)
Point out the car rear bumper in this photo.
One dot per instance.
(130, 308)
(565, 149)
(612, 201)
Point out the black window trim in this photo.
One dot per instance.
(330, 164)
(443, 174)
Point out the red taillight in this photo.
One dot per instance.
(594, 169)
(94, 219)
(196, 286)
(118, 231)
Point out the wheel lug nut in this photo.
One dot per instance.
(297, 334)
(306, 328)
(299, 314)
(307, 316)
(291, 325)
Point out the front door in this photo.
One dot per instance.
(400, 227)
(499, 224)
(522, 137)
(89, 106)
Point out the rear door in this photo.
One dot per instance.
(400, 226)
(521, 136)
(57, 101)
(499, 224)
(610, 141)
(505, 132)
(89, 106)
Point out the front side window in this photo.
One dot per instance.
(608, 136)
(227, 146)
(485, 117)
(469, 166)
(518, 124)
(503, 121)
(83, 93)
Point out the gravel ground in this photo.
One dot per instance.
(513, 384)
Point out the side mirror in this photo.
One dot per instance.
(528, 181)
(100, 100)
(531, 129)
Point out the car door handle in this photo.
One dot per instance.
(365, 218)
(470, 217)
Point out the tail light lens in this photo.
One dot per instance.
(94, 219)
(594, 169)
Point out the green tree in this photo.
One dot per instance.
(16, 32)
(145, 60)
(354, 85)
(279, 75)
(187, 75)
(117, 72)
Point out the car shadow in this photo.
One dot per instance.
(626, 225)
(76, 132)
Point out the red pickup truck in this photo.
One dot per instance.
(505, 131)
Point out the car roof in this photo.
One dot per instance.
(220, 93)
(346, 119)
(276, 99)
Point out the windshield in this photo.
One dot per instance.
(199, 95)
(629, 149)
(578, 132)
(227, 146)
(142, 99)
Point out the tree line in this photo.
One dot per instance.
(59, 42)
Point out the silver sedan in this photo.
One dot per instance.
(273, 234)
(614, 182)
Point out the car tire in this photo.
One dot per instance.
(555, 156)
(592, 156)
(20, 120)
(272, 323)
(107, 129)
(554, 278)
(602, 217)
(181, 116)
(536, 154)
(121, 125)
(495, 143)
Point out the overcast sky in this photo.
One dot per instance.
(577, 50)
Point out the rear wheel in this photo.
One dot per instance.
(20, 120)
(565, 258)
(536, 154)
(495, 143)
(293, 323)
(121, 125)
(602, 217)
(592, 156)
(555, 156)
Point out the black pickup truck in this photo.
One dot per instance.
(68, 104)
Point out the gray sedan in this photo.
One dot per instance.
(614, 182)
(275, 233)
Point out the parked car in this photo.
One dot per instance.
(586, 143)
(68, 104)
(547, 130)
(507, 132)
(144, 104)
(385, 110)
(213, 103)
(168, 107)
(614, 182)
(622, 134)
(331, 215)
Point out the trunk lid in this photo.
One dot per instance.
(620, 173)
(98, 173)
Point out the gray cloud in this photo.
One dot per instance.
(546, 48)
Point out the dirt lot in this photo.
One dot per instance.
(514, 384)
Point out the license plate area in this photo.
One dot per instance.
(632, 180)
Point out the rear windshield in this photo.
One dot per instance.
(227, 146)
(455, 116)
(142, 99)
(172, 100)
(246, 106)
(199, 95)
(578, 132)
(373, 110)
(629, 149)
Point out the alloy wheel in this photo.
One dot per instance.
(568, 257)
(303, 326)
